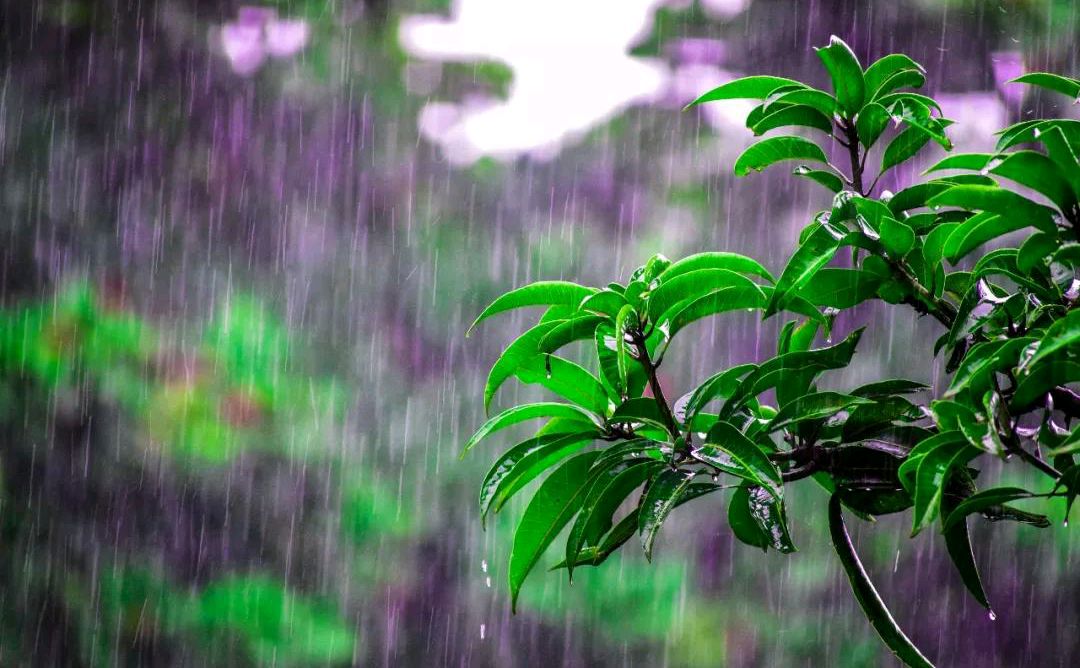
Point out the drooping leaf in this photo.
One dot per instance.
(821, 176)
(542, 293)
(742, 523)
(816, 406)
(610, 487)
(566, 332)
(525, 461)
(869, 600)
(566, 379)
(512, 416)
(556, 501)
(746, 88)
(768, 513)
(931, 477)
(657, 503)
(1051, 82)
(729, 450)
(958, 545)
(982, 501)
(777, 149)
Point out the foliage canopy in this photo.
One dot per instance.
(985, 244)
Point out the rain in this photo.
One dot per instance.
(241, 242)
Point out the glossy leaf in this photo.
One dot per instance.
(958, 545)
(729, 450)
(742, 523)
(517, 414)
(689, 286)
(816, 406)
(522, 463)
(777, 149)
(982, 501)
(542, 293)
(821, 176)
(657, 503)
(883, 69)
(746, 88)
(1018, 210)
(932, 476)
(643, 410)
(715, 260)
(610, 487)
(846, 74)
(556, 501)
(813, 254)
(1051, 82)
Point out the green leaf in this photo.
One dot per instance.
(686, 287)
(746, 88)
(721, 385)
(566, 379)
(517, 414)
(1051, 82)
(777, 149)
(1034, 251)
(885, 68)
(628, 525)
(821, 176)
(813, 254)
(846, 74)
(816, 406)
(715, 260)
(1041, 379)
(802, 365)
(1063, 334)
(626, 319)
(971, 161)
(660, 498)
(809, 97)
(1038, 172)
(611, 486)
(551, 508)
(729, 450)
(519, 351)
(568, 331)
(1070, 480)
(840, 288)
(742, 523)
(872, 121)
(720, 301)
(794, 115)
(884, 388)
(903, 147)
(606, 302)
(609, 364)
(522, 463)
(987, 499)
(1020, 211)
(644, 410)
(958, 544)
(768, 513)
(975, 231)
(931, 477)
(896, 236)
(869, 600)
(543, 293)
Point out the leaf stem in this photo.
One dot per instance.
(654, 384)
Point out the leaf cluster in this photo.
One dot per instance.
(985, 244)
